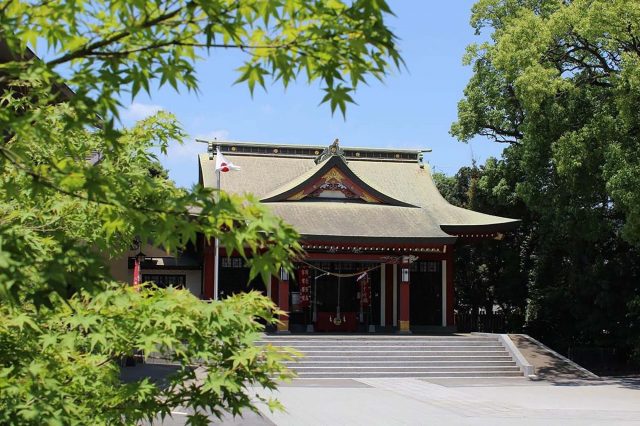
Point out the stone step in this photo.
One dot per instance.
(389, 353)
(369, 339)
(402, 368)
(395, 349)
(341, 356)
(402, 358)
(378, 343)
(319, 335)
(409, 363)
(381, 374)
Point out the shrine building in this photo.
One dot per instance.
(378, 236)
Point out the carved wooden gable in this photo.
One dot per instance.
(334, 184)
(332, 180)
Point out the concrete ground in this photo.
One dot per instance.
(564, 394)
(459, 402)
(505, 401)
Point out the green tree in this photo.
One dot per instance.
(65, 322)
(558, 83)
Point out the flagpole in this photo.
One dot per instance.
(222, 165)
(216, 243)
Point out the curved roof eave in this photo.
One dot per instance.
(456, 229)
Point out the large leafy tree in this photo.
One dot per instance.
(557, 82)
(77, 189)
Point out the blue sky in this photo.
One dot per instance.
(412, 108)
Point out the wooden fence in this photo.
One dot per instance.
(484, 323)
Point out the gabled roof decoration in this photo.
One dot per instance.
(331, 179)
(333, 149)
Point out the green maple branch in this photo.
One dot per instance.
(12, 157)
(243, 47)
(236, 217)
(88, 49)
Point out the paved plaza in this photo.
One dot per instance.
(448, 402)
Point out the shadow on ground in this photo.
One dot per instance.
(629, 382)
(554, 369)
(160, 374)
(549, 366)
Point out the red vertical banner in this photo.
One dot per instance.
(365, 291)
(136, 271)
(305, 287)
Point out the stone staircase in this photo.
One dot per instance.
(368, 356)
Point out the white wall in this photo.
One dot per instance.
(120, 271)
(193, 278)
(119, 266)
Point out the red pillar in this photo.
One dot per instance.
(450, 289)
(209, 261)
(283, 302)
(404, 298)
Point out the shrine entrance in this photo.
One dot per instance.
(426, 294)
(339, 297)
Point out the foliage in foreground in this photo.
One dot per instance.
(66, 326)
(65, 358)
(76, 190)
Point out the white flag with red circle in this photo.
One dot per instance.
(222, 164)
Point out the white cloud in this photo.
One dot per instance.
(139, 111)
(189, 149)
(267, 109)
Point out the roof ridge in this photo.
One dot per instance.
(313, 151)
